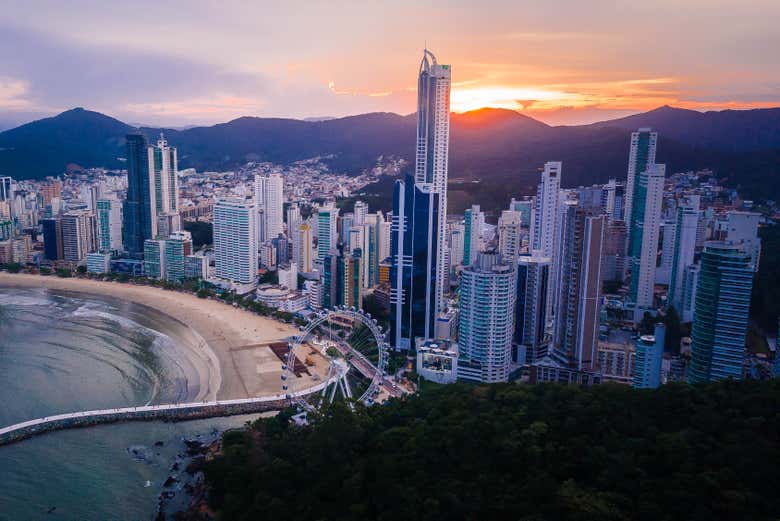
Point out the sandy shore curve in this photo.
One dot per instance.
(236, 340)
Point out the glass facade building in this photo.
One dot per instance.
(720, 318)
(414, 259)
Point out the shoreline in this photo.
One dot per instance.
(222, 329)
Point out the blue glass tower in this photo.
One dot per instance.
(720, 319)
(138, 209)
(414, 257)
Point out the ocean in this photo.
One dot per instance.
(63, 352)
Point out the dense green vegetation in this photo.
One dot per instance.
(514, 452)
(765, 304)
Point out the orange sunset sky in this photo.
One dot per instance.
(563, 62)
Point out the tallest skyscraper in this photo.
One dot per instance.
(419, 264)
(433, 148)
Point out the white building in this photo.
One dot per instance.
(235, 243)
(743, 229)
(432, 154)
(269, 205)
(644, 238)
(486, 320)
(641, 155)
(510, 235)
(288, 276)
(457, 231)
(78, 235)
(663, 273)
(545, 218)
(109, 224)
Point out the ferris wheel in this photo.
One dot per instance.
(350, 339)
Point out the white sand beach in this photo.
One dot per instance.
(237, 339)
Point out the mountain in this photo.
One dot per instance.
(494, 153)
(726, 130)
(45, 146)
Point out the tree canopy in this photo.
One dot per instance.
(514, 452)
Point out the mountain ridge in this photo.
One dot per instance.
(502, 149)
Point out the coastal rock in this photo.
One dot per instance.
(172, 480)
(196, 465)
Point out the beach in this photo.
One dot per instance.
(235, 340)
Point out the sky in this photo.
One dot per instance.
(178, 63)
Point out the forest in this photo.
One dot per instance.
(514, 452)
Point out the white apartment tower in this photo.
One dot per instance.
(269, 204)
(545, 222)
(648, 196)
(235, 242)
(163, 167)
(432, 153)
(640, 157)
(487, 319)
(510, 236)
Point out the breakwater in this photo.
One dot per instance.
(169, 412)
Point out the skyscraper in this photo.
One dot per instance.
(579, 285)
(303, 248)
(78, 235)
(109, 224)
(52, 239)
(235, 243)
(649, 358)
(269, 203)
(473, 221)
(327, 231)
(432, 154)
(163, 168)
(545, 222)
(533, 277)
(643, 237)
(413, 269)
(486, 321)
(720, 319)
(510, 235)
(640, 157)
(684, 249)
(140, 215)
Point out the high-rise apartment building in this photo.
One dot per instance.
(643, 237)
(640, 157)
(78, 235)
(327, 231)
(546, 213)
(533, 278)
(473, 222)
(486, 321)
(684, 249)
(579, 286)
(510, 235)
(235, 243)
(163, 169)
(52, 239)
(432, 153)
(720, 320)
(109, 224)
